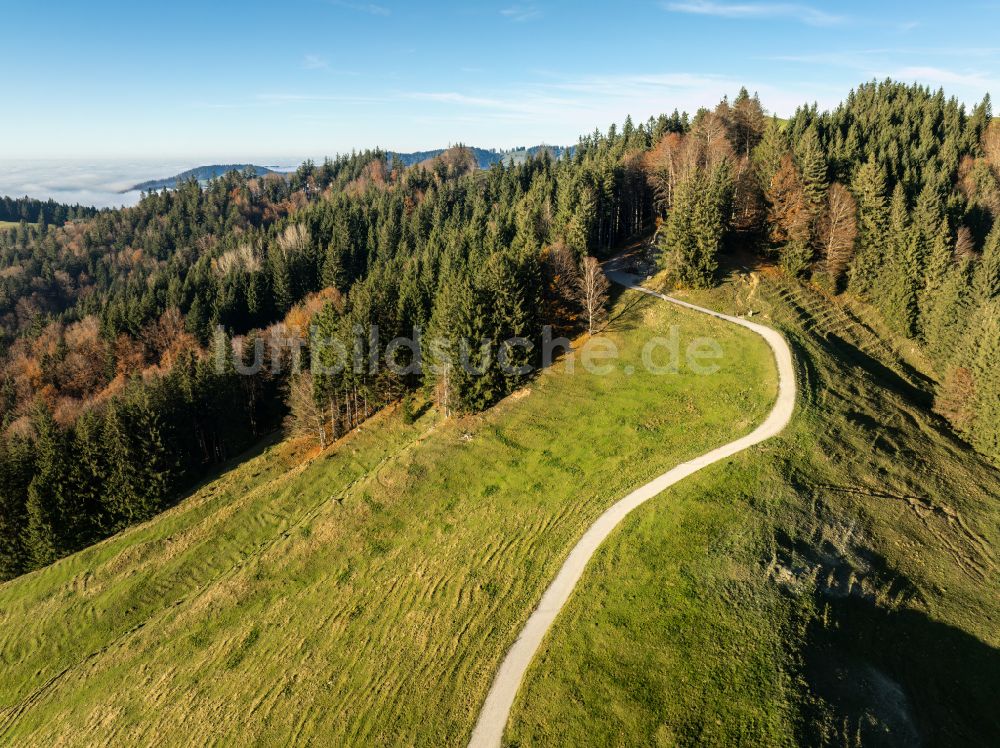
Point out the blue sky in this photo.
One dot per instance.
(268, 80)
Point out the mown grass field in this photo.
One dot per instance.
(839, 587)
(366, 595)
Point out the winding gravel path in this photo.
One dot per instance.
(489, 729)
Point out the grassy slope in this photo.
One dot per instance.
(838, 588)
(366, 596)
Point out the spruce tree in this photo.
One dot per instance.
(986, 278)
(17, 467)
(509, 282)
(812, 165)
(89, 473)
(696, 226)
(138, 463)
(940, 260)
(897, 294)
(282, 282)
(53, 514)
(769, 151)
(678, 247)
(334, 271)
(947, 315)
(873, 225)
(747, 123)
(986, 373)
(329, 354)
(463, 376)
(933, 249)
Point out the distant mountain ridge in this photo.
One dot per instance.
(201, 173)
(485, 158)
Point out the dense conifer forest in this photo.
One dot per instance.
(130, 337)
(29, 210)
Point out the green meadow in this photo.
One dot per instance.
(363, 595)
(838, 587)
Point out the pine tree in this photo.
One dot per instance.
(51, 507)
(812, 165)
(509, 282)
(138, 464)
(334, 272)
(933, 250)
(873, 225)
(769, 152)
(89, 474)
(986, 279)
(695, 227)
(16, 471)
(747, 123)
(462, 373)
(986, 374)
(898, 296)
(947, 317)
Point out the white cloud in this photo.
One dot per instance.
(70, 181)
(968, 84)
(370, 8)
(865, 59)
(975, 80)
(287, 98)
(577, 104)
(315, 62)
(802, 13)
(453, 97)
(623, 85)
(102, 183)
(521, 13)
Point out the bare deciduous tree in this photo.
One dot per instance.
(956, 398)
(667, 164)
(748, 209)
(560, 273)
(306, 416)
(965, 247)
(838, 230)
(991, 144)
(787, 214)
(592, 287)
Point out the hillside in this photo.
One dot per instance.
(733, 608)
(363, 596)
(839, 587)
(834, 587)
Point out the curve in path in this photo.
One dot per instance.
(489, 729)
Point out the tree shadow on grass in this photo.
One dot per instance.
(626, 318)
(900, 678)
(879, 670)
(840, 348)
